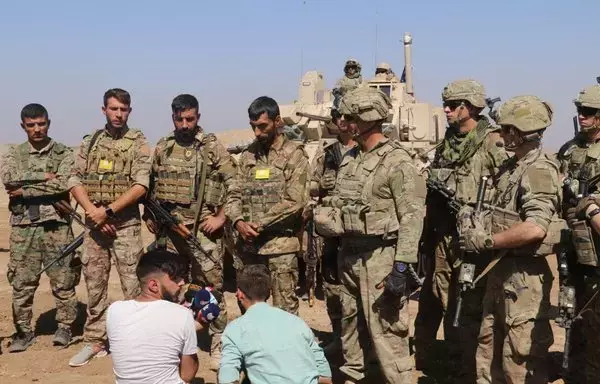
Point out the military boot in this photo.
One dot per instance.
(21, 341)
(215, 352)
(62, 336)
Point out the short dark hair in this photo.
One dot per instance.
(120, 94)
(162, 261)
(261, 105)
(32, 111)
(255, 282)
(184, 102)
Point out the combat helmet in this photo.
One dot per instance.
(350, 62)
(369, 104)
(385, 66)
(469, 90)
(589, 97)
(526, 113)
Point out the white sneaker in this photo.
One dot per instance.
(88, 352)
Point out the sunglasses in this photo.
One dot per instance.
(349, 118)
(587, 111)
(453, 104)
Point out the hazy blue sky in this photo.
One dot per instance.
(65, 54)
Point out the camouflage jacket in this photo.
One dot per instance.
(137, 171)
(174, 164)
(346, 83)
(25, 167)
(531, 189)
(323, 163)
(277, 182)
(381, 195)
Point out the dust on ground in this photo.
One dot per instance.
(45, 363)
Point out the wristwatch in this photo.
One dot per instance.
(400, 266)
(109, 212)
(593, 213)
(488, 242)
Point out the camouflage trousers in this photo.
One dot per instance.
(284, 277)
(205, 272)
(515, 332)
(32, 247)
(126, 250)
(331, 283)
(375, 336)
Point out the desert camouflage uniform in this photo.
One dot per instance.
(107, 168)
(381, 197)
(175, 178)
(38, 231)
(580, 160)
(271, 190)
(459, 163)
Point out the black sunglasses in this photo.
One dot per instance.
(452, 104)
(587, 111)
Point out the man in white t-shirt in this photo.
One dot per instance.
(152, 339)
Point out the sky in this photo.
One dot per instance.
(66, 54)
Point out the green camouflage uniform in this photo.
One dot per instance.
(459, 163)
(38, 231)
(271, 190)
(580, 160)
(107, 167)
(175, 178)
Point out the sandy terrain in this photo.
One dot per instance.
(45, 363)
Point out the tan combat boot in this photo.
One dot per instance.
(215, 352)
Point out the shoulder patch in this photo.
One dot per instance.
(542, 177)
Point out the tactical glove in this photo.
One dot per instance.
(397, 281)
(463, 218)
(328, 181)
(475, 240)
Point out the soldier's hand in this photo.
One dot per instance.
(396, 283)
(15, 192)
(97, 215)
(475, 240)
(109, 230)
(212, 224)
(583, 205)
(248, 231)
(327, 181)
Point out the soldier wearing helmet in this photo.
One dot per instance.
(471, 149)
(579, 160)
(379, 197)
(520, 230)
(352, 78)
(384, 72)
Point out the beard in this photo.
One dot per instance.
(166, 295)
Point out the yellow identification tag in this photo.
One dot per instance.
(105, 165)
(262, 174)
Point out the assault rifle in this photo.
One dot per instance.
(466, 275)
(566, 295)
(310, 116)
(163, 217)
(311, 259)
(490, 104)
(333, 154)
(448, 194)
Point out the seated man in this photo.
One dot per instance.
(152, 339)
(272, 345)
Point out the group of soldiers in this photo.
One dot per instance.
(484, 214)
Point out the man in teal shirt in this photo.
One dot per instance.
(272, 345)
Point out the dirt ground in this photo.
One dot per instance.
(43, 362)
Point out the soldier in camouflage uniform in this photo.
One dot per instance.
(111, 173)
(469, 150)
(580, 160)
(351, 80)
(186, 163)
(324, 170)
(266, 200)
(377, 209)
(515, 332)
(35, 176)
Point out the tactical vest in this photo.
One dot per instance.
(56, 155)
(264, 184)
(363, 213)
(108, 168)
(179, 175)
(504, 214)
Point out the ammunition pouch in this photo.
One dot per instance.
(106, 188)
(584, 241)
(328, 221)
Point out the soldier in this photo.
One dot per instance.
(515, 332)
(266, 200)
(352, 77)
(384, 72)
(325, 166)
(580, 160)
(35, 176)
(111, 173)
(379, 196)
(189, 171)
(469, 150)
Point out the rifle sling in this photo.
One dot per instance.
(203, 172)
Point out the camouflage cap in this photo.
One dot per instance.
(469, 90)
(369, 104)
(351, 62)
(589, 97)
(526, 113)
(384, 65)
